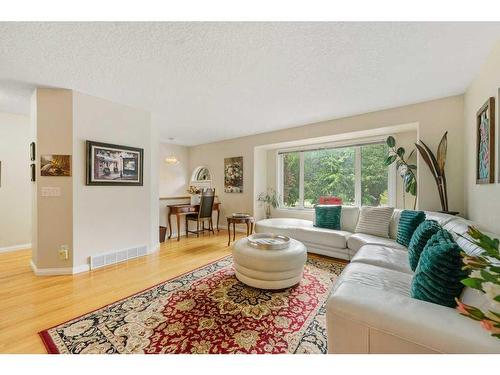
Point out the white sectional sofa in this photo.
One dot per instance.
(370, 309)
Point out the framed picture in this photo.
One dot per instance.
(55, 165)
(233, 175)
(32, 151)
(485, 152)
(109, 164)
(33, 172)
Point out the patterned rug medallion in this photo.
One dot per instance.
(207, 311)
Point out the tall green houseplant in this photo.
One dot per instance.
(406, 171)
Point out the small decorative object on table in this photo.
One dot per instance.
(485, 277)
(194, 192)
(268, 241)
(240, 215)
(270, 199)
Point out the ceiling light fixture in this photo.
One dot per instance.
(171, 160)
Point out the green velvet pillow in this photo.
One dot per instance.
(408, 222)
(328, 216)
(439, 272)
(419, 239)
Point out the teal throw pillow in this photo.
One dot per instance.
(439, 272)
(328, 216)
(419, 240)
(408, 222)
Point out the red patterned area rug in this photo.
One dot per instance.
(207, 311)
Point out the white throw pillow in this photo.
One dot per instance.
(375, 221)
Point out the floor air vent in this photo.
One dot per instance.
(113, 257)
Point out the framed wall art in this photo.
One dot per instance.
(109, 164)
(233, 175)
(485, 150)
(55, 165)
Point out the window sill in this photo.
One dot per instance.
(294, 209)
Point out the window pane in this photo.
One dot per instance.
(374, 175)
(291, 178)
(329, 173)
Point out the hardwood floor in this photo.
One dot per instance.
(29, 303)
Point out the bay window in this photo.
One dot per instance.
(356, 174)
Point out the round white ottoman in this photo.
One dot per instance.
(269, 269)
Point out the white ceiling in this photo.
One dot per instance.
(205, 82)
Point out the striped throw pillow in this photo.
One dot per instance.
(375, 221)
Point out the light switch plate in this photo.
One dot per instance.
(51, 191)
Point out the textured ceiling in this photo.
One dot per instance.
(210, 81)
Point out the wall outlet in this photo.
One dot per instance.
(63, 252)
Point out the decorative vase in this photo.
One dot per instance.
(268, 211)
(195, 199)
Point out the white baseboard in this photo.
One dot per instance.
(58, 271)
(8, 249)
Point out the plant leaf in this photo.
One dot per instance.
(441, 153)
(390, 159)
(433, 159)
(400, 151)
(472, 283)
(391, 142)
(426, 158)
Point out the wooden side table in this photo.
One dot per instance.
(249, 221)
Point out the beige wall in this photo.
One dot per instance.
(482, 202)
(174, 179)
(15, 185)
(52, 216)
(90, 219)
(110, 218)
(433, 118)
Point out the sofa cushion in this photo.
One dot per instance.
(419, 240)
(393, 225)
(383, 256)
(408, 222)
(379, 278)
(357, 240)
(439, 272)
(458, 228)
(375, 221)
(327, 216)
(349, 218)
(322, 236)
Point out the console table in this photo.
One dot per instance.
(184, 209)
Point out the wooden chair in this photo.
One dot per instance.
(204, 213)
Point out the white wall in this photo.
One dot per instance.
(15, 185)
(482, 202)
(433, 118)
(108, 218)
